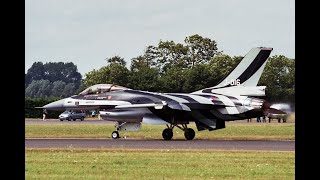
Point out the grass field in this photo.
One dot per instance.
(157, 164)
(236, 131)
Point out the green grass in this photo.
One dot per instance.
(250, 131)
(157, 164)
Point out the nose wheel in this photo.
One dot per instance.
(115, 135)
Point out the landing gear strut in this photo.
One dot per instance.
(167, 133)
(115, 134)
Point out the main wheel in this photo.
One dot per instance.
(115, 135)
(167, 134)
(68, 119)
(189, 134)
(82, 118)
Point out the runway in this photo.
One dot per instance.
(271, 145)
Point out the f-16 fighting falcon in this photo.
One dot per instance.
(234, 98)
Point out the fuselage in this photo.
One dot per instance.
(220, 106)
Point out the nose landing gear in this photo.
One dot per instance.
(115, 134)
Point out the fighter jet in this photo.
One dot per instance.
(234, 98)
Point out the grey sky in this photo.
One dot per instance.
(86, 32)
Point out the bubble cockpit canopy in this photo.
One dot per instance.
(101, 88)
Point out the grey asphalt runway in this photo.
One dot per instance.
(162, 144)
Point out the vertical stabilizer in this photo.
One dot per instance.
(248, 72)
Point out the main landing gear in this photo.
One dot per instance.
(167, 133)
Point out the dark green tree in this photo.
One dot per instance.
(144, 75)
(54, 71)
(279, 77)
(58, 87)
(151, 55)
(198, 77)
(220, 66)
(35, 72)
(145, 78)
(138, 63)
(200, 49)
(39, 88)
(69, 90)
(59, 71)
(173, 80)
(110, 74)
(116, 60)
(171, 54)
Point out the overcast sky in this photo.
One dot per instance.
(86, 32)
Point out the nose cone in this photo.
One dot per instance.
(56, 105)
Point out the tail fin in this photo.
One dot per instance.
(247, 73)
(249, 70)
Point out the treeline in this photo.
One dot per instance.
(53, 79)
(188, 67)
